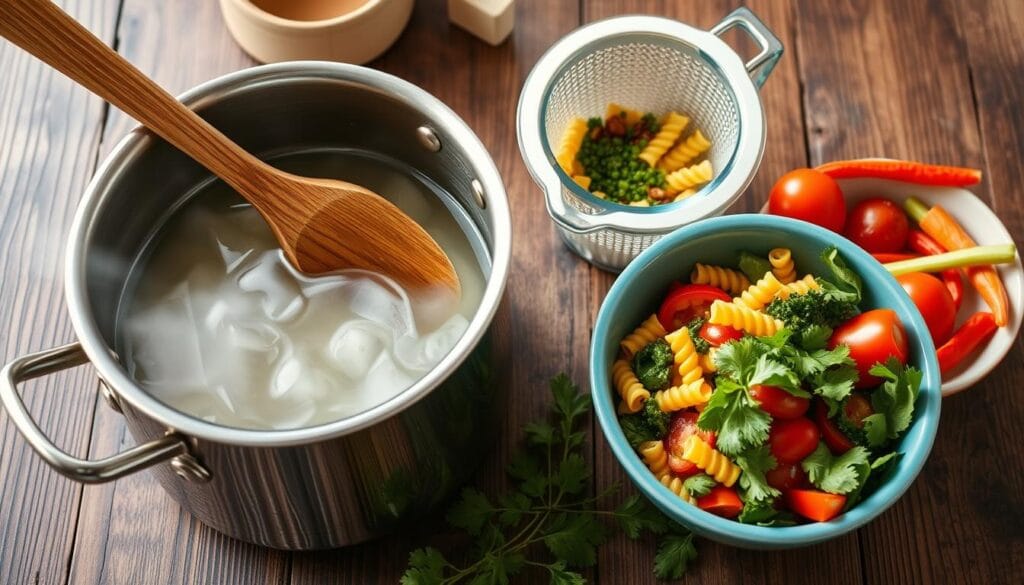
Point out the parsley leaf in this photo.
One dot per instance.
(426, 567)
(572, 474)
(699, 485)
(837, 475)
(675, 553)
(893, 402)
(574, 538)
(515, 505)
(737, 359)
(774, 373)
(847, 280)
(815, 337)
(636, 514)
(736, 419)
(836, 383)
(755, 462)
(561, 576)
(569, 402)
(471, 511)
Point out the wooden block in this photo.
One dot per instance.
(490, 20)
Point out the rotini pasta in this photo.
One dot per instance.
(684, 152)
(684, 194)
(684, 396)
(670, 130)
(782, 265)
(582, 181)
(707, 361)
(688, 177)
(686, 356)
(718, 466)
(732, 281)
(675, 485)
(759, 294)
(572, 138)
(743, 318)
(647, 332)
(628, 386)
(655, 457)
(799, 287)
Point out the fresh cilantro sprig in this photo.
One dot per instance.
(546, 521)
(893, 402)
(841, 474)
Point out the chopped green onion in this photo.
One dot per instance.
(976, 256)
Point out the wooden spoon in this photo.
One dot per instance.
(321, 224)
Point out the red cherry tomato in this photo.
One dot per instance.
(722, 501)
(685, 302)
(856, 408)
(873, 337)
(837, 442)
(877, 225)
(682, 426)
(815, 505)
(718, 335)
(779, 403)
(792, 440)
(811, 196)
(932, 298)
(786, 476)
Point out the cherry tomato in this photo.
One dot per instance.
(685, 302)
(837, 442)
(856, 408)
(718, 335)
(722, 501)
(682, 426)
(873, 337)
(815, 505)
(811, 196)
(786, 476)
(792, 440)
(779, 403)
(877, 225)
(932, 298)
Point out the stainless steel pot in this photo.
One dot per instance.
(318, 487)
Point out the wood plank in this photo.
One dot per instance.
(548, 285)
(49, 132)
(131, 531)
(893, 80)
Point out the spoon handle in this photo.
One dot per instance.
(44, 30)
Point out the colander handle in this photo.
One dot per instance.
(771, 47)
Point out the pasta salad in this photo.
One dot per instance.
(635, 159)
(767, 398)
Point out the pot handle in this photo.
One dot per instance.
(82, 470)
(771, 47)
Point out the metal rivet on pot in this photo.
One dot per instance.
(109, 397)
(190, 469)
(428, 138)
(478, 194)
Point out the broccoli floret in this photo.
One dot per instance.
(650, 424)
(699, 342)
(653, 365)
(819, 307)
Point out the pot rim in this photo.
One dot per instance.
(433, 110)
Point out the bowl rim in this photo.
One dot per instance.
(916, 444)
(259, 14)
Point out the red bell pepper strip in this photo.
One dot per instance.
(902, 170)
(921, 242)
(887, 257)
(937, 223)
(975, 330)
(685, 302)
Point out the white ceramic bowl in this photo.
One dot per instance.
(358, 36)
(982, 224)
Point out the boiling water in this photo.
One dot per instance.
(220, 326)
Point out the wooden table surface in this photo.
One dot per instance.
(938, 80)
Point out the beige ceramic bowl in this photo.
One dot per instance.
(357, 36)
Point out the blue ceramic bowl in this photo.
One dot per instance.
(637, 293)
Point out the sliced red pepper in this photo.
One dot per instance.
(902, 170)
(722, 501)
(685, 302)
(977, 329)
(815, 505)
(834, 439)
(887, 257)
(922, 243)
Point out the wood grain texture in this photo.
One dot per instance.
(935, 80)
(49, 133)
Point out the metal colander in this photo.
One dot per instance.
(654, 65)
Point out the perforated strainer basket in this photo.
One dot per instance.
(654, 65)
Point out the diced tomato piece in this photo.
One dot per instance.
(721, 501)
(815, 505)
(681, 428)
(686, 302)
